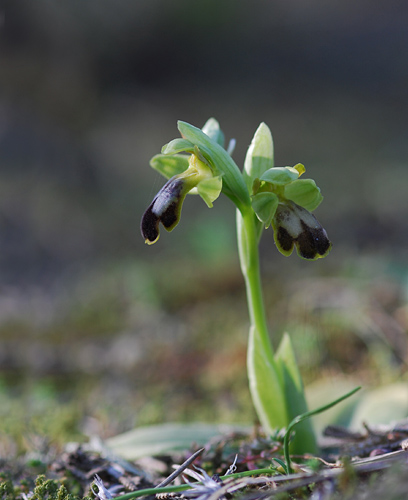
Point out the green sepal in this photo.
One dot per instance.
(280, 175)
(168, 166)
(209, 189)
(294, 395)
(212, 129)
(305, 193)
(220, 161)
(178, 146)
(265, 205)
(259, 157)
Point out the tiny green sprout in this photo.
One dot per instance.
(300, 418)
(264, 196)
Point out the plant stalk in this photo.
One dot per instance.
(274, 379)
(249, 260)
(265, 379)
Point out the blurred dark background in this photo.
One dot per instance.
(107, 333)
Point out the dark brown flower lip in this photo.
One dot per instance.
(310, 244)
(165, 209)
(149, 226)
(294, 226)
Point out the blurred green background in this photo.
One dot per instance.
(100, 333)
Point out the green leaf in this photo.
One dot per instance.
(169, 166)
(265, 383)
(281, 464)
(305, 193)
(221, 162)
(212, 129)
(265, 205)
(178, 146)
(280, 175)
(159, 439)
(259, 157)
(305, 439)
(382, 405)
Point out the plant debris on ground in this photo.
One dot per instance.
(371, 464)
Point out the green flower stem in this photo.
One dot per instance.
(249, 259)
(265, 379)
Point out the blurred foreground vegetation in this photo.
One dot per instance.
(127, 345)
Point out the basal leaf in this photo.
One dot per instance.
(294, 395)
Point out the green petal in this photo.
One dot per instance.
(212, 129)
(265, 205)
(210, 189)
(259, 157)
(169, 166)
(178, 146)
(220, 161)
(305, 193)
(280, 175)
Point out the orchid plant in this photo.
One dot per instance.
(264, 196)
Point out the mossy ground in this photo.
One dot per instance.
(126, 346)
